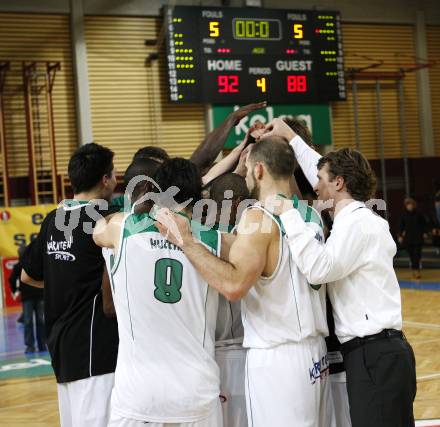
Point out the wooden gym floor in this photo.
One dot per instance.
(31, 399)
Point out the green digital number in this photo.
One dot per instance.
(250, 29)
(168, 274)
(240, 29)
(264, 29)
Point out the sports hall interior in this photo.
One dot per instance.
(77, 71)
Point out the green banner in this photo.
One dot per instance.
(316, 117)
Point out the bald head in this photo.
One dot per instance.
(277, 156)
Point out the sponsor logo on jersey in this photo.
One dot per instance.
(60, 249)
(319, 237)
(319, 370)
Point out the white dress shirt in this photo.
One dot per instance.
(307, 159)
(356, 262)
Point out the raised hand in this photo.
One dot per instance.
(242, 112)
(278, 127)
(175, 228)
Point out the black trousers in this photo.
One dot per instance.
(415, 254)
(381, 383)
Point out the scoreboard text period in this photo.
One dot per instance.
(240, 55)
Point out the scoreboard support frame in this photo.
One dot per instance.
(357, 76)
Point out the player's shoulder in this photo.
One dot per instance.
(135, 223)
(116, 217)
(308, 213)
(257, 221)
(251, 216)
(50, 216)
(209, 236)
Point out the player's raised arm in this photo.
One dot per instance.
(208, 150)
(236, 156)
(225, 165)
(247, 255)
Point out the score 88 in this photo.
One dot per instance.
(297, 83)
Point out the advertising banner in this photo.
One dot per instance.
(19, 226)
(316, 117)
(7, 267)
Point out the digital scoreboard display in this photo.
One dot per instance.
(241, 55)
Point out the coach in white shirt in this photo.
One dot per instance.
(357, 264)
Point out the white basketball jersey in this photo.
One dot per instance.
(285, 307)
(166, 371)
(108, 255)
(229, 329)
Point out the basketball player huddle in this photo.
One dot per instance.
(219, 285)
(217, 325)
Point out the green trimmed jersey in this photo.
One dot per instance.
(284, 307)
(166, 371)
(118, 202)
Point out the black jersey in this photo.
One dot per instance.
(82, 341)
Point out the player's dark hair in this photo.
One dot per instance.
(88, 165)
(351, 165)
(182, 174)
(229, 181)
(141, 166)
(300, 128)
(276, 155)
(137, 167)
(151, 152)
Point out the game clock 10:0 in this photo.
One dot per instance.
(238, 55)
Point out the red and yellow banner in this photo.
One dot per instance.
(19, 225)
(7, 267)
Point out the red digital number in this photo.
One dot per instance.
(296, 83)
(227, 84)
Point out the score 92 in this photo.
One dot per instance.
(296, 83)
(227, 83)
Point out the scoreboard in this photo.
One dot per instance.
(240, 55)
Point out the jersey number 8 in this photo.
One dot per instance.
(168, 275)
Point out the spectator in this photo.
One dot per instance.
(32, 301)
(435, 230)
(437, 201)
(412, 231)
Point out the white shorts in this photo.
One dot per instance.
(214, 420)
(340, 399)
(288, 385)
(232, 362)
(85, 403)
